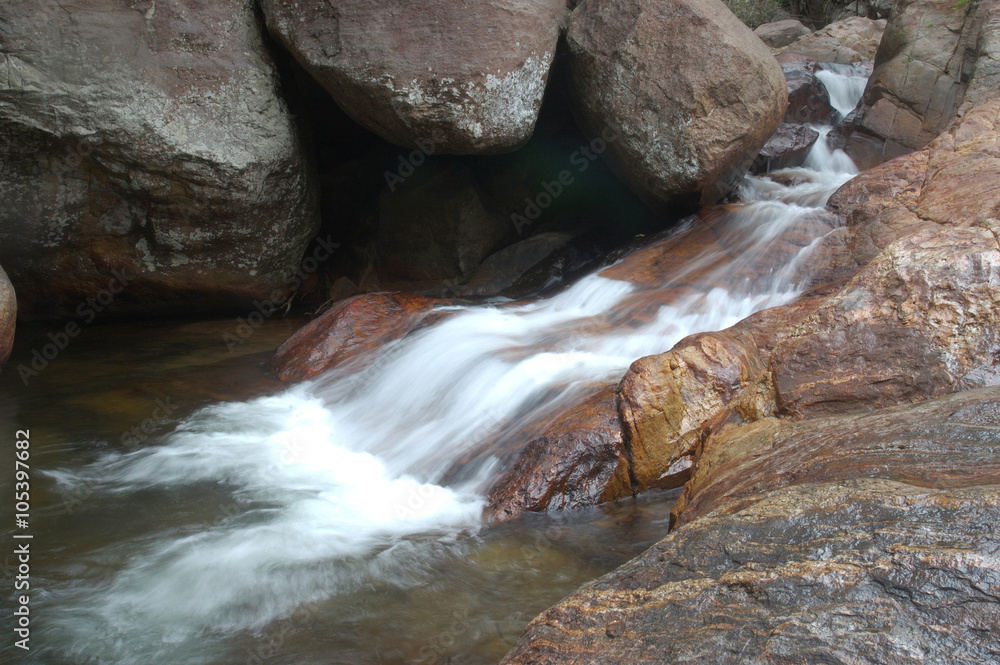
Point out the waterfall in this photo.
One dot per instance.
(315, 490)
(845, 83)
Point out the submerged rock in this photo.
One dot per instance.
(462, 77)
(577, 459)
(146, 140)
(682, 95)
(352, 330)
(8, 317)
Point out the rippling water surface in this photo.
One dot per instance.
(256, 523)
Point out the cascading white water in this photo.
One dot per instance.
(340, 479)
(845, 83)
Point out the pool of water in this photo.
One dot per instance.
(446, 596)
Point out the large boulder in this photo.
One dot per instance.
(146, 143)
(682, 94)
(866, 572)
(922, 319)
(844, 42)
(467, 76)
(922, 70)
(8, 317)
(950, 183)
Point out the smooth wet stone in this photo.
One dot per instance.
(352, 330)
(867, 572)
(952, 441)
(577, 459)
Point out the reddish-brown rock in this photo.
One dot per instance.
(576, 459)
(692, 126)
(952, 182)
(668, 402)
(351, 329)
(461, 78)
(922, 319)
(951, 441)
(8, 317)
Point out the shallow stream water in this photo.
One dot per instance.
(187, 510)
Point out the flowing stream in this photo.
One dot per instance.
(279, 529)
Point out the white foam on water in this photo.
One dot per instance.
(330, 481)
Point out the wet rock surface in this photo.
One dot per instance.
(575, 460)
(918, 321)
(855, 571)
(353, 329)
(787, 148)
(948, 442)
(664, 145)
(465, 77)
(147, 140)
(503, 269)
(666, 402)
(808, 98)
